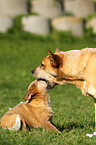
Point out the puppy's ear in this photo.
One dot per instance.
(56, 61)
(57, 50)
(31, 93)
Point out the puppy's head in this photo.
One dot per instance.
(37, 87)
(49, 67)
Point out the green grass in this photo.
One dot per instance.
(73, 112)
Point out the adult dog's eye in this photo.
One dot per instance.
(42, 64)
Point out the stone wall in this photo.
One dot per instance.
(48, 10)
(73, 24)
(36, 24)
(79, 8)
(12, 7)
(91, 23)
(5, 23)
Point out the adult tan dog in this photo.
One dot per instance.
(76, 67)
(35, 112)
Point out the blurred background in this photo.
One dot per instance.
(28, 28)
(43, 16)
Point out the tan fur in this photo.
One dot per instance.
(74, 66)
(35, 112)
(77, 67)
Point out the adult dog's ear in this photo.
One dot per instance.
(57, 50)
(56, 61)
(52, 58)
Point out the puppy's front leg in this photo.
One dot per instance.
(48, 125)
(23, 124)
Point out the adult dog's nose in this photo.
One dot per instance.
(32, 71)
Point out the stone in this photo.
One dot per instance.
(36, 24)
(5, 23)
(79, 8)
(46, 8)
(13, 7)
(91, 24)
(68, 23)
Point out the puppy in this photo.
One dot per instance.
(76, 67)
(35, 112)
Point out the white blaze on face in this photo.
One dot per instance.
(43, 74)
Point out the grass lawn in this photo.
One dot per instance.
(73, 112)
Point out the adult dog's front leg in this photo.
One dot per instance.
(95, 112)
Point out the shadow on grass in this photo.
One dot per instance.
(70, 126)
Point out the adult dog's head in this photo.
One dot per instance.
(50, 68)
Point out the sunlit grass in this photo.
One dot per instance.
(73, 112)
